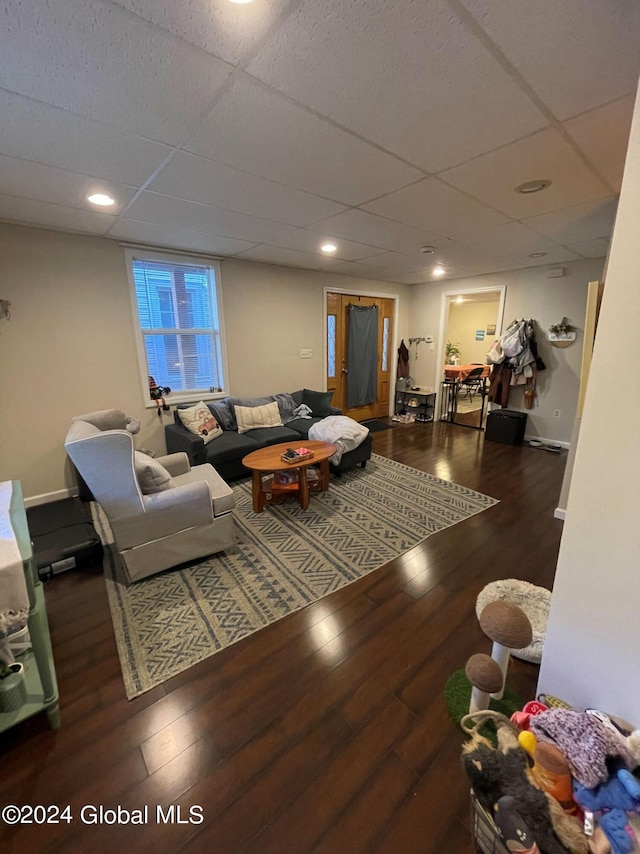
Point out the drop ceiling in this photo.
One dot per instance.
(261, 131)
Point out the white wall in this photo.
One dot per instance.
(529, 294)
(592, 647)
(69, 347)
(465, 319)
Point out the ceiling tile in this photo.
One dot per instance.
(259, 131)
(364, 271)
(165, 210)
(493, 177)
(308, 240)
(437, 207)
(201, 180)
(396, 262)
(552, 44)
(372, 230)
(107, 64)
(603, 135)
(46, 134)
(288, 257)
(577, 224)
(228, 30)
(32, 212)
(409, 76)
(597, 248)
(58, 186)
(508, 239)
(170, 237)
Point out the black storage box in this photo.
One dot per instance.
(63, 537)
(506, 426)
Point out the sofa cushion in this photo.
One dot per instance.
(230, 445)
(253, 417)
(317, 401)
(222, 413)
(301, 425)
(200, 420)
(273, 436)
(152, 476)
(232, 402)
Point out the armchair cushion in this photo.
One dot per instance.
(255, 417)
(152, 476)
(199, 419)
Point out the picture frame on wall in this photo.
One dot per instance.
(491, 329)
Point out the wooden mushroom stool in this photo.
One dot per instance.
(509, 628)
(486, 677)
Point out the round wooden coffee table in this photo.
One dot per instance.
(265, 490)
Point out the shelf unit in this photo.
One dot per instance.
(40, 676)
(424, 407)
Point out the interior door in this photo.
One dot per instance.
(337, 352)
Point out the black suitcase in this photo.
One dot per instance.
(506, 426)
(63, 537)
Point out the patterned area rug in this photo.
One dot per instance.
(286, 559)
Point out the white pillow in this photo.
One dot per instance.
(252, 417)
(152, 476)
(199, 420)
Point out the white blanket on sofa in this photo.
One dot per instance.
(343, 432)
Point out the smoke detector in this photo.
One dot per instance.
(427, 250)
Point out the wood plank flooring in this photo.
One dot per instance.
(325, 732)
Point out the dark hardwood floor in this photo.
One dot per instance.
(325, 732)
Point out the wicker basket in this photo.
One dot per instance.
(485, 834)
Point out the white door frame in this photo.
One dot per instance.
(445, 301)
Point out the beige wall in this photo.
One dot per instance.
(69, 347)
(593, 635)
(528, 294)
(465, 319)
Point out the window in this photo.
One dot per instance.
(179, 310)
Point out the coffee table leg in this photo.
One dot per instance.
(256, 492)
(303, 493)
(324, 475)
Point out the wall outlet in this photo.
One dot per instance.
(557, 413)
(306, 354)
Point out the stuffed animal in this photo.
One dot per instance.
(493, 773)
(616, 802)
(158, 393)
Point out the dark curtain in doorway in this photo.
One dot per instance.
(362, 357)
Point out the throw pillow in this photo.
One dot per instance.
(152, 476)
(199, 420)
(317, 401)
(253, 417)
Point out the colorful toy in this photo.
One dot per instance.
(615, 802)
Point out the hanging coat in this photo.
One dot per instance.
(403, 360)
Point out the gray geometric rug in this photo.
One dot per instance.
(286, 558)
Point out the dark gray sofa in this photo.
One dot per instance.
(225, 453)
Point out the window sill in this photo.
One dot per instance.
(186, 397)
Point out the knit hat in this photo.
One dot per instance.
(585, 742)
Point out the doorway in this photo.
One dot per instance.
(371, 398)
(470, 321)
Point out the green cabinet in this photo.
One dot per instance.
(41, 688)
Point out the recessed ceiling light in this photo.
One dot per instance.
(533, 186)
(438, 271)
(537, 254)
(241, 1)
(328, 247)
(101, 199)
(459, 299)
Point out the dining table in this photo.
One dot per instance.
(461, 372)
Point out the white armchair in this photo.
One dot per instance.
(161, 511)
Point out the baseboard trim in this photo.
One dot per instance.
(48, 497)
(560, 513)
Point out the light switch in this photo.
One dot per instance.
(306, 354)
